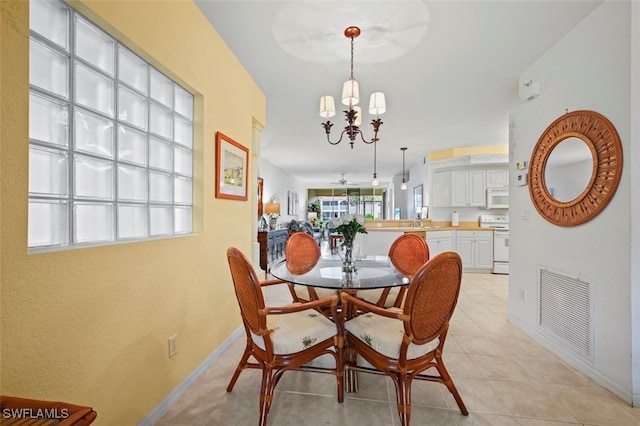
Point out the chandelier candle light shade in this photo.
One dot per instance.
(403, 186)
(350, 98)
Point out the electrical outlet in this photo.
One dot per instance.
(173, 345)
(523, 294)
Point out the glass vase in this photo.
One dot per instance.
(349, 251)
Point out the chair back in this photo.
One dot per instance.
(432, 296)
(248, 291)
(408, 253)
(302, 253)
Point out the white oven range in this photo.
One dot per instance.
(500, 225)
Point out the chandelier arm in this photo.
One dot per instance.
(327, 128)
(376, 123)
(374, 139)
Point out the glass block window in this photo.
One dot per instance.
(110, 138)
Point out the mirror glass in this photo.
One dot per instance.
(569, 169)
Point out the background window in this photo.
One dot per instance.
(110, 138)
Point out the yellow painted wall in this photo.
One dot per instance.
(471, 150)
(90, 326)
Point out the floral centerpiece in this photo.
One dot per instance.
(348, 225)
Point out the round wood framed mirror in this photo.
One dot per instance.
(565, 190)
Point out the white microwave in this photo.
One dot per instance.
(498, 198)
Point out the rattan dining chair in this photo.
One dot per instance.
(302, 253)
(407, 253)
(282, 338)
(405, 343)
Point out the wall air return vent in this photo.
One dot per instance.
(565, 310)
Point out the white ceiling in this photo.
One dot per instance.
(449, 70)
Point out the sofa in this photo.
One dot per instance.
(302, 226)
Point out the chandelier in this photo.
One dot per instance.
(350, 98)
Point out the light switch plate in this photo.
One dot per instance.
(521, 179)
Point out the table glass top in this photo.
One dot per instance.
(371, 272)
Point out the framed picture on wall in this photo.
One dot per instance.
(292, 203)
(417, 200)
(232, 169)
(259, 195)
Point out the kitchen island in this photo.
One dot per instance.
(475, 244)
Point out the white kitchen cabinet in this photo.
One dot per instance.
(468, 188)
(439, 241)
(497, 178)
(475, 249)
(459, 188)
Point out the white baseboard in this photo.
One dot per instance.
(160, 409)
(577, 362)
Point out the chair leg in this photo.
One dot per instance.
(448, 382)
(241, 365)
(266, 393)
(340, 363)
(403, 397)
(400, 297)
(383, 297)
(293, 293)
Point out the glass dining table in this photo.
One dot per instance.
(370, 273)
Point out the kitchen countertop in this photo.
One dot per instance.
(464, 226)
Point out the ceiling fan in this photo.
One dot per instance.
(342, 181)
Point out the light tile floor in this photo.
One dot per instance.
(504, 377)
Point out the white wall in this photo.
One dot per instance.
(276, 184)
(590, 68)
(415, 175)
(401, 197)
(634, 158)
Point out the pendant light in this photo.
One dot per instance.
(375, 174)
(403, 186)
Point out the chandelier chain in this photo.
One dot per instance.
(352, 76)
